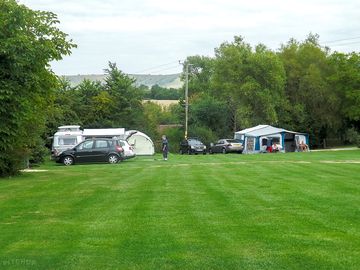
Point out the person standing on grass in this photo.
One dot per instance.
(165, 147)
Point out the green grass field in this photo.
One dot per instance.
(269, 211)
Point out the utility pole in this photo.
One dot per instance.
(186, 97)
(186, 100)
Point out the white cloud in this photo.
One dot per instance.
(160, 30)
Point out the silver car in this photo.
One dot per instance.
(226, 146)
(128, 149)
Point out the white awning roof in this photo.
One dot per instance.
(104, 132)
(263, 130)
(248, 130)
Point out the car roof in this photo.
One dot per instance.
(194, 138)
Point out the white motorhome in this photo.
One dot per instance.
(66, 138)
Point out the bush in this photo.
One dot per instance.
(205, 134)
(353, 136)
(11, 162)
(38, 153)
(174, 135)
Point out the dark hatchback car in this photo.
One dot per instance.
(192, 146)
(94, 150)
(226, 146)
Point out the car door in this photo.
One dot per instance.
(84, 151)
(214, 147)
(100, 150)
(218, 146)
(184, 146)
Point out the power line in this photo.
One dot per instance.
(164, 69)
(344, 44)
(339, 40)
(156, 67)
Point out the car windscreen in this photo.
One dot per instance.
(194, 142)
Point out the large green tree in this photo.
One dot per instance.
(201, 69)
(208, 111)
(315, 105)
(117, 102)
(126, 107)
(251, 81)
(345, 81)
(29, 41)
(66, 107)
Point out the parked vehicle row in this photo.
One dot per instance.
(195, 146)
(116, 150)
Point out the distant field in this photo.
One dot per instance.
(267, 211)
(162, 103)
(166, 81)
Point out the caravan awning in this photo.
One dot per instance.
(263, 130)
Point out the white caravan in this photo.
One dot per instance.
(66, 138)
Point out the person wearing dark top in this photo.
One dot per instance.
(165, 147)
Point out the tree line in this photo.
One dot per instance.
(161, 93)
(302, 86)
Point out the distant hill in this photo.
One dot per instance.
(166, 81)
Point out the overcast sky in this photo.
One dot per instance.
(144, 36)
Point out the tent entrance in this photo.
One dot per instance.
(289, 142)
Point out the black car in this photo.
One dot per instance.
(93, 150)
(225, 146)
(192, 146)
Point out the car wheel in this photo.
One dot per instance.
(113, 159)
(204, 153)
(67, 161)
(189, 152)
(224, 151)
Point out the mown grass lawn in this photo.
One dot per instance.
(270, 211)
